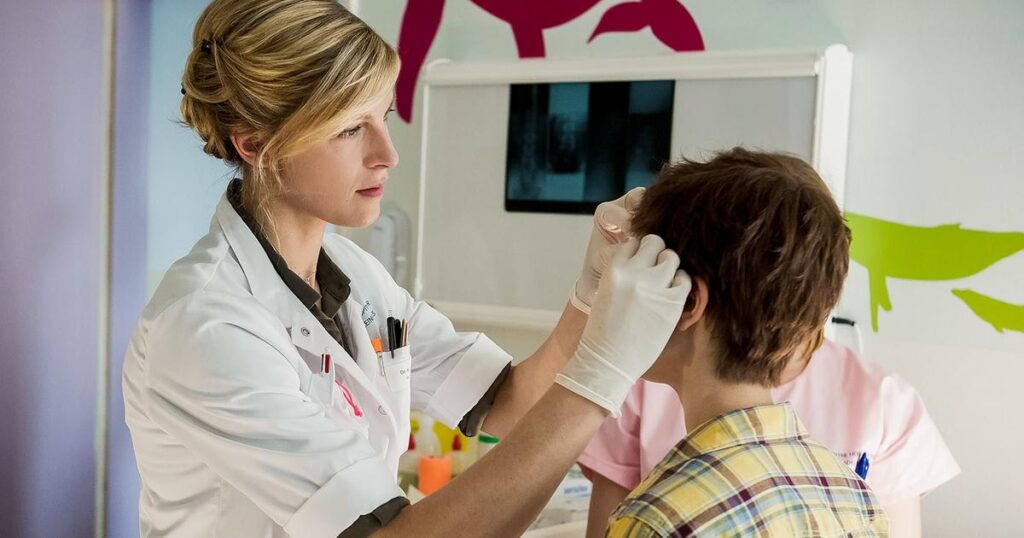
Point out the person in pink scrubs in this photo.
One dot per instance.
(854, 408)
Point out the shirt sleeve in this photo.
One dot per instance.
(368, 524)
(474, 419)
(912, 458)
(614, 452)
(221, 379)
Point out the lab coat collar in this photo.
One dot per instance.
(264, 282)
(268, 288)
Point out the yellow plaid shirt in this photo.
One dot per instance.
(751, 472)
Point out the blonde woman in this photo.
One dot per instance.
(269, 381)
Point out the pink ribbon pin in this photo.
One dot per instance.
(348, 398)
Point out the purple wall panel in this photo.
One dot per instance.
(51, 148)
(128, 290)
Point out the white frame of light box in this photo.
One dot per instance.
(833, 67)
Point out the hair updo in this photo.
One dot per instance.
(294, 72)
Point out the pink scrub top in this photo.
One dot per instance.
(850, 406)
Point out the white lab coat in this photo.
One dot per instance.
(236, 431)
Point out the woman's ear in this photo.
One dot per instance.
(247, 145)
(696, 304)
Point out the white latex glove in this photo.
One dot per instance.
(638, 305)
(611, 227)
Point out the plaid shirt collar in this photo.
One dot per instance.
(763, 424)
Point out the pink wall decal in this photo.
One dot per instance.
(420, 23)
(529, 19)
(669, 20)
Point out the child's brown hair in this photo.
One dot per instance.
(763, 231)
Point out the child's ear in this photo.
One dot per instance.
(696, 304)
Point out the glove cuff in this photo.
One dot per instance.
(571, 385)
(593, 378)
(574, 300)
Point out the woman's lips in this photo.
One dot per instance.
(372, 192)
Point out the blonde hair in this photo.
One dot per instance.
(294, 71)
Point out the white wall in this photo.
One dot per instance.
(937, 123)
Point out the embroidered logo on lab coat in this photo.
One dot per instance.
(369, 315)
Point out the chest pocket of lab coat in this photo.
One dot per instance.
(396, 383)
(318, 386)
(398, 369)
(321, 389)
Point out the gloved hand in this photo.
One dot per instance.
(637, 307)
(611, 227)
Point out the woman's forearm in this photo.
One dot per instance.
(530, 379)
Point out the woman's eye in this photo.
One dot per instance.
(347, 133)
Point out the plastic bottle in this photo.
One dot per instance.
(445, 435)
(461, 458)
(408, 466)
(426, 439)
(434, 472)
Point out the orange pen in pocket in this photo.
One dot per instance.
(378, 347)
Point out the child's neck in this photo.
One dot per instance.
(705, 397)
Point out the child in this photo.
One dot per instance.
(767, 249)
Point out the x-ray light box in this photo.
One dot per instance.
(516, 155)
